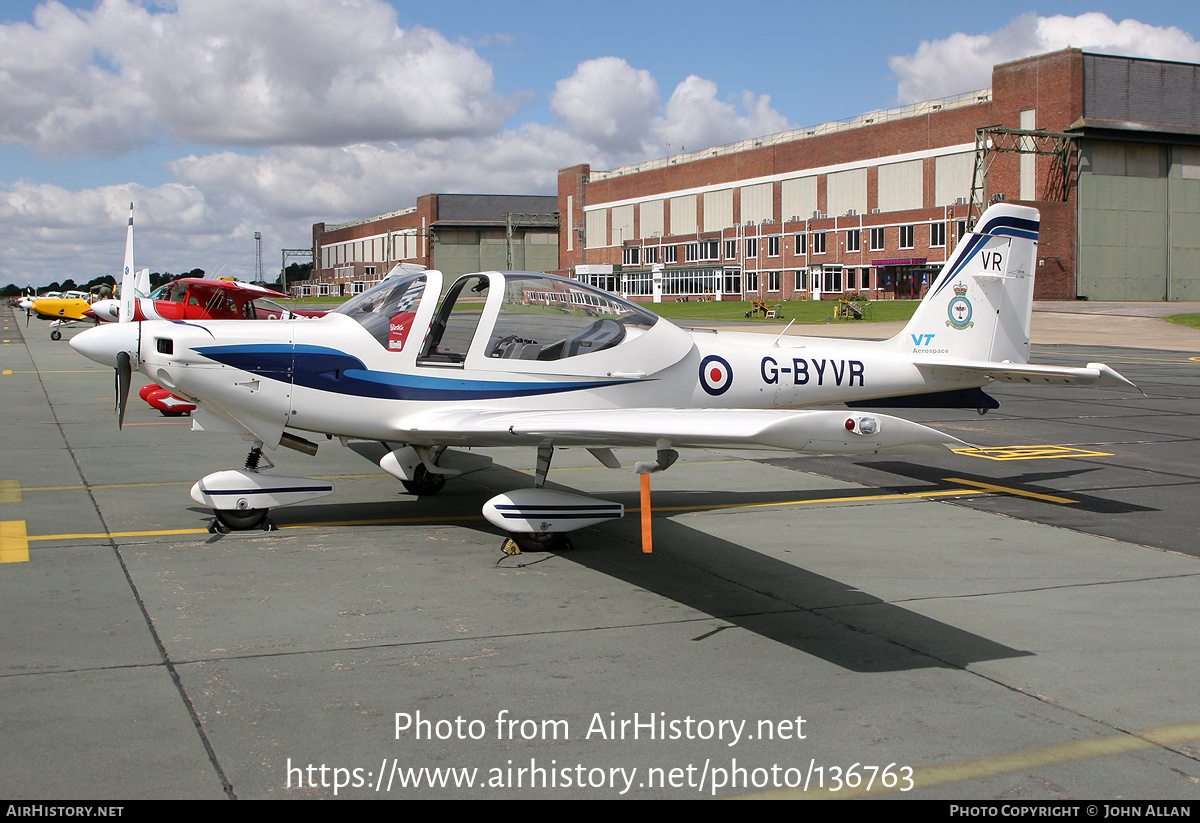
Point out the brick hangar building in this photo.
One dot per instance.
(1107, 148)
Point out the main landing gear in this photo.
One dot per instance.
(424, 482)
(538, 519)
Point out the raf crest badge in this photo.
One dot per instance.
(959, 309)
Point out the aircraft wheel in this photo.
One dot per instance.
(424, 482)
(56, 335)
(239, 521)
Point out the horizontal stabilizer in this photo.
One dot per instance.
(1094, 374)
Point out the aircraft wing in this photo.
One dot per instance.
(239, 287)
(1094, 374)
(813, 431)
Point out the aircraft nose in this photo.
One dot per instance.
(102, 343)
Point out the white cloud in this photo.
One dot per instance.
(963, 62)
(317, 184)
(52, 233)
(209, 217)
(608, 103)
(317, 72)
(318, 114)
(695, 119)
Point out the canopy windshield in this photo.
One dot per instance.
(387, 310)
(551, 318)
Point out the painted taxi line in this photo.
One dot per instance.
(14, 541)
(1027, 452)
(963, 770)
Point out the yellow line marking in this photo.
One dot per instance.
(847, 499)
(328, 524)
(474, 517)
(10, 491)
(962, 770)
(1028, 452)
(1009, 490)
(14, 545)
(981, 488)
(112, 486)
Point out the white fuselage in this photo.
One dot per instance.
(329, 376)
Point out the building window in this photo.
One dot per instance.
(801, 280)
(630, 255)
(752, 247)
(733, 281)
(851, 281)
(801, 244)
(671, 254)
(651, 255)
(831, 279)
(691, 252)
(818, 242)
(751, 278)
(854, 240)
(637, 282)
(937, 234)
(773, 279)
(730, 249)
(906, 237)
(866, 278)
(877, 239)
(709, 250)
(773, 247)
(961, 228)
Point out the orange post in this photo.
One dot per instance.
(647, 538)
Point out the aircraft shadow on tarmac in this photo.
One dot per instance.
(732, 583)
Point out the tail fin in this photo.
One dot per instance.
(128, 277)
(979, 307)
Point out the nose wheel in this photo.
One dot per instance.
(233, 520)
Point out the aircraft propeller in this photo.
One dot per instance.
(124, 371)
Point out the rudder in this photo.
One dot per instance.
(981, 303)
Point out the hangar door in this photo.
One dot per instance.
(1139, 221)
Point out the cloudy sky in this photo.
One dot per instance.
(220, 118)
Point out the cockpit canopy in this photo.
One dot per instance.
(539, 318)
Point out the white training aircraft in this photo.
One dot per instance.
(519, 358)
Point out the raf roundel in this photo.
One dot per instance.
(715, 375)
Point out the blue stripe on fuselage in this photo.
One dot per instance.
(330, 370)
